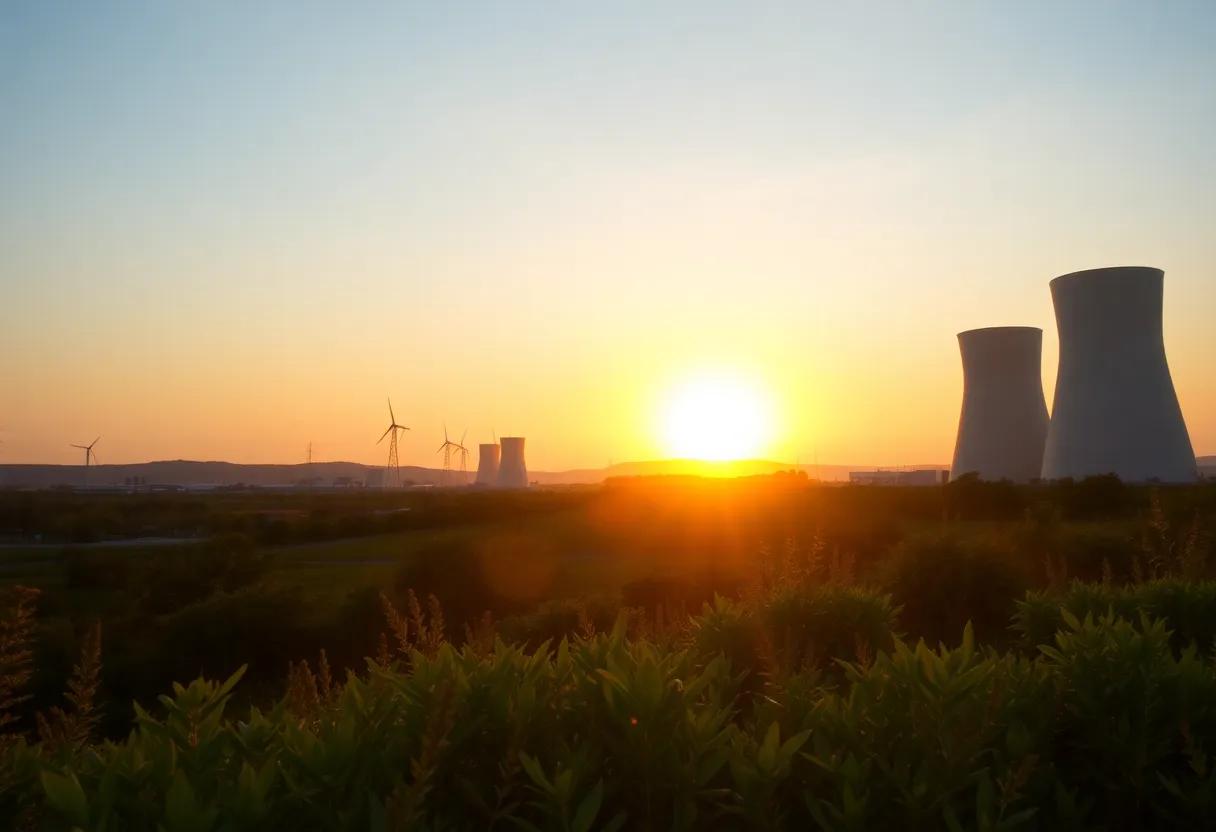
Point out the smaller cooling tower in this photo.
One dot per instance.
(1003, 426)
(512, 472)
(487, 464)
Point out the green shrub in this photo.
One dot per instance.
(726, 628)
(1187, 607)
(1134, 724)
(451, 569)
(566, 618)
(1093, 553)
(261, 626)
(825, 623)
(1107, 728)
(942, 581)
(95, 569)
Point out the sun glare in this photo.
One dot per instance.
(716, 418)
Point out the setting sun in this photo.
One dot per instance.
(716, 418)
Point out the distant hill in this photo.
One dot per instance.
(187, 472)
(1207, 466)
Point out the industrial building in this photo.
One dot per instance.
(488, 454)
(925, 476)
(1002, 427)
(1115, 409)
(512, 470)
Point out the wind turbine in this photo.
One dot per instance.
(89, 457)
(393, 427)
(464, 459)
(447, 447)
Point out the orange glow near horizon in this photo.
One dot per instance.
(716, 417)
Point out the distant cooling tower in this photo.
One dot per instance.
(1115, 408)
(1003, 425)
(487, 464)
(512, 472)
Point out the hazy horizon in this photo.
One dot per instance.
(226, 233)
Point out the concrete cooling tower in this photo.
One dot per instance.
(487, 464)
(1115, 408)
(1003, 425)
(512, 472)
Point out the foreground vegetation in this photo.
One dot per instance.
(1072, 688)
(1111, 726)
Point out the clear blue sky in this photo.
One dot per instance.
(227, 229)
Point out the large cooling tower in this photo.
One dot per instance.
(512, 472)
(487, 464)
(1003, 424)
(1115, 408)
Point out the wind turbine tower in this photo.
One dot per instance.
(464, 459)
(393, 472)
(447, 447)
(89, 458)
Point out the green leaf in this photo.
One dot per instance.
(1171, 785)
(66, 795)
(791, 746)
(1018, 818)
(181, 808)
(535, 773)
(377, 816)
(588, 809)
(1070, 620)
(616, 823)
(766, 759)
(951, 819)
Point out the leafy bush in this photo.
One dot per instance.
(261, 626)
(95, 569)
(941, 581)
(1133, 723)
(554, 620)
(824, 623)
(1188, 608)
(1106, 728)
(452, 571)
(688, 593)
(1094, 553)
(727, 629)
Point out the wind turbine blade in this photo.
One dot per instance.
(94, 453)
(462, 437)
(95, 441)
(82, 447)
(381, 439)
(392, 418)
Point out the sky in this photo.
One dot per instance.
(228, 230)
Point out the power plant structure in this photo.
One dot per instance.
(1003, 426)
(512, 472)
(1115, 409)
(487, 464)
